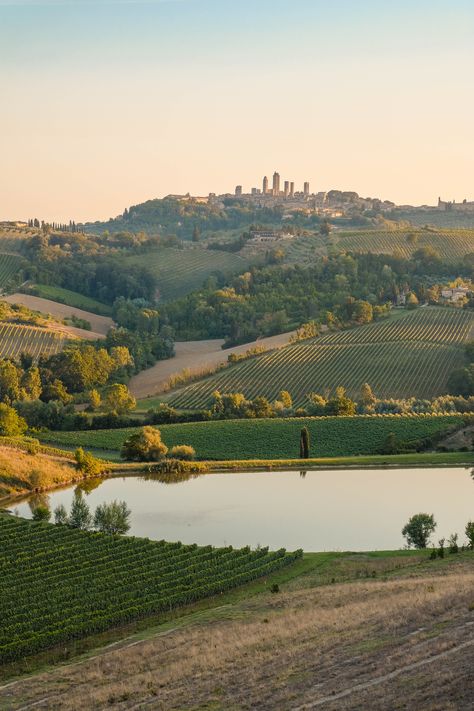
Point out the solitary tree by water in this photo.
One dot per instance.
(419, 529)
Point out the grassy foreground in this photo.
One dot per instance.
(273, 439)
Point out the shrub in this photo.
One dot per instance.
(112, 518)
(453, 543)
(88, 464)
(184, 452)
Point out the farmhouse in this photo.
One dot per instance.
(455, 294)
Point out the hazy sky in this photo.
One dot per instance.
(106, 103)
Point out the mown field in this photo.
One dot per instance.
(451, 244)
(71, 298)
(408, 354)
(59, 584)
(16, 339)
(275, 438)
(180, 271)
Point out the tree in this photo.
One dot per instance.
(60, 515)
(118, 399)
(341, 404)
(31, 384)
(11, 424)
(196, 233)
(94, 399)
(419, 529)
(362, 312)
(411, 301)
(145, 445)
(286, 399)
(41, 513)
(304, 443)
(9, 381)
(367, 397)
(325, 228)
(80, 513)
(112, 518)
(470, 533)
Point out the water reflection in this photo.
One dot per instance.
(315, 510)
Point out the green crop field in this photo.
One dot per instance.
(59, 584)
(10, 267)
(409, 354)
(274, 438)
(180, 271)
(71, 298)
(16, 339)
(451, 245)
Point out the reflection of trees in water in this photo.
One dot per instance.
(170, 478)
(303, 474)
(89, 485)
(39, 499)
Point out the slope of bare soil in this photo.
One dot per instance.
(403, 642)
(195, 355)
(99, 324)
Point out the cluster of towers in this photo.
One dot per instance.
(276, 191)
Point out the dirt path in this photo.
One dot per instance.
(99, 324)
(195, 355)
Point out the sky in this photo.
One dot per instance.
(106, 103)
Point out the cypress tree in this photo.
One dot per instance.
(304, 443)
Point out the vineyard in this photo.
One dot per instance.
(180, 271)
(58, 584)
(275, 438)
(451, 245)
(16, 339)
(10, 266)
(409, 354)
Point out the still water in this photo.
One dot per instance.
(318, 510)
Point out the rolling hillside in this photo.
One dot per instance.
(180, 271)
(16, 339)
(410, 354)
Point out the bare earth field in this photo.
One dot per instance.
(195, 355)
(100, 324)
(384, 642)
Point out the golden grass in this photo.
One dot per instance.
(21, 473)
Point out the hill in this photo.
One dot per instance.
(408, 354)
(180, 271)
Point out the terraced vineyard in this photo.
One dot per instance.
(10, 266)
(451, 245)
(59, 584)
(409, 354)
(16, 339)
(180, 271)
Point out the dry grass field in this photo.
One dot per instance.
(356, 631)
(21, 473)
(99, 324)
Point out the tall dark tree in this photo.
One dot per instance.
(304, 443)
(196, 234)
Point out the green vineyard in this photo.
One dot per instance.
(59, 584)
(274, 438)
(409, 354)
(16, 339)
(451, 245)
(10, 267)
(180, 271)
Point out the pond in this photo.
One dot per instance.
(362, 509)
